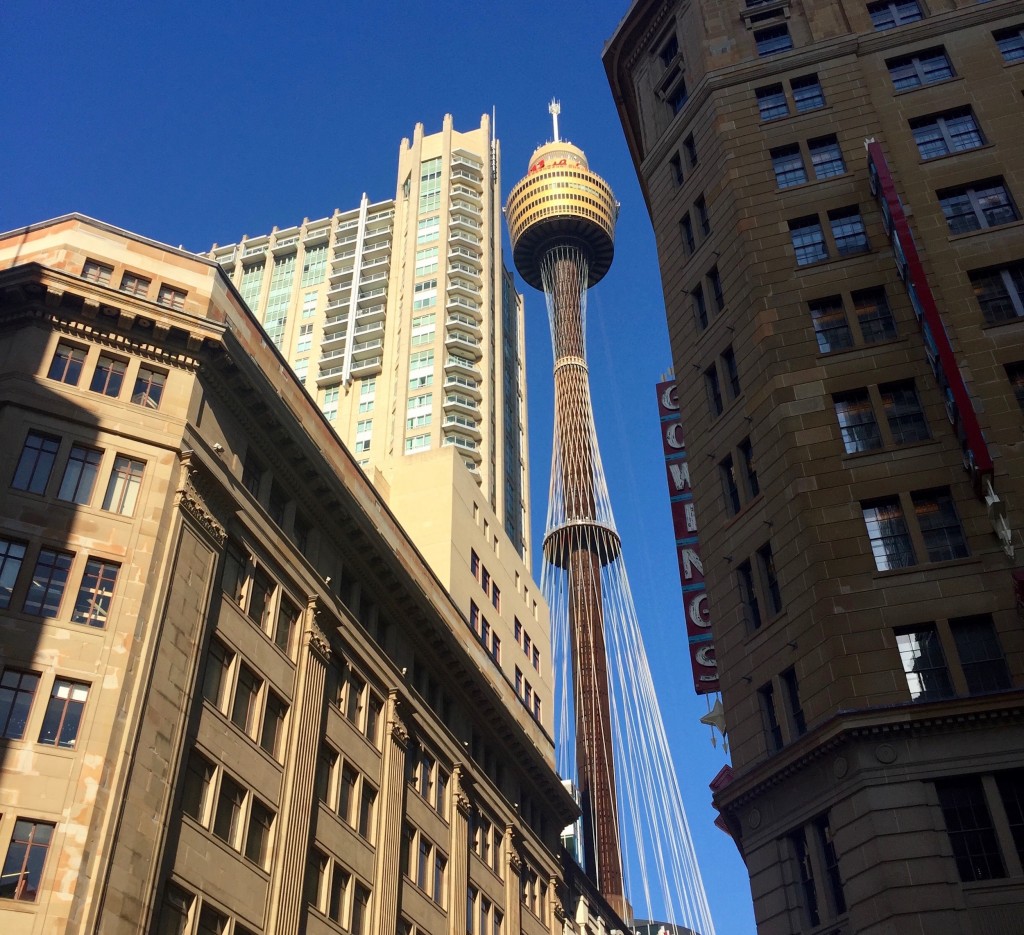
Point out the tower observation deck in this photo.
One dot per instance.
(561, 219)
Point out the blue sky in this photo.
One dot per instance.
(196, 123)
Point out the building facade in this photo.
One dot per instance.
(836, 195)
(402, 322)
(233, 696)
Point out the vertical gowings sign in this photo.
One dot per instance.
(684, 524)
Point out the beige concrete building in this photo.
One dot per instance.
(234, 698)
(847, 326)
(401, 321)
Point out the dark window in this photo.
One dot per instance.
(826, 157)
(66, 365)
(1011, 43)
(17, 689)
(924, 663)
(80, 474)
(749, 467)
(981, 656)
(1011, 790)
(93, 603)
(808, 891)
(830, 325)
(247, 693)
(676, 169)
(857, 421)
(714, 390)
(873, 315)
(273, 724)
(12, 554)
(903, 412)
(969, 825)
(64, 713)
(108, 376)
(748, 595)
(1000, 292)
(848, 231)
(1014, 373)
(686, 233)
(97, 272)
(669, 51)
(807, 93)
(252, 473)
(715, 281)
(227, 823)
(773, 39)
(135, 285)
(936, 515)
(982, 204)
(195, 799)
(888, 533)
(808, 240)
(257, 838)
(950, 132)
(771, 102)
(690, 149)
(49, 578)
(26, 855)
(828, 851)
(727, 470)
(215, 679)
(766, 563)
(927, 67)
(888, 14)
(702, 215)
(678, 96)
(731, 373)
(287, 622)
(36, 462)
(788, 165)
(766, 694)
(700, 307)
(277, 504)
(261, 593)
(175, 911)
(792, 692)
(149, 387)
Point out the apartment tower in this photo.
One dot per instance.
(400, 319)
(836, 193)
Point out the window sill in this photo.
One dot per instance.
(990, 325)
(1009, 225)
(928, 567)
(810, 182)
(838, 258)
(872, 348)
(799, 113)
(930, 84)
(885, 452)
(953, 155)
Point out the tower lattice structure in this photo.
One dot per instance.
(561, 220)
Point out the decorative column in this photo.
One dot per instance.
(458, 853)
(513, 888)
(388, 869)
(299, 786)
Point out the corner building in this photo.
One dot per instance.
(833, 385)
(400, 319)
(234, 698)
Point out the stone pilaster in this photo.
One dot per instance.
(458, 853)
(298, 793)
(513, 868)
(388, 870)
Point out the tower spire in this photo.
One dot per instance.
(555, 108)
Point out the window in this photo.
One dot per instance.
(690, 150)
(788, 165)
(149, 387)
(66, 365)
(771, 102)
(273, 724)
(97, 272)
(912, 71)
(831, 328)
(367, 811)
(940, 526)
(135, 285)
(999, 291)
(361, 910)
(826, 157)
(715, 282)
(727, 471)
(287, 623)
(807, 93)
(857, 423)
(247, 693)
(773, 39)
(903, 412)
(888, 534)
(700, 206)
(887, 14)
(805, 877)
(981, 657)
(36, 462)
(17, 689)
(749, 467)
(171, 297)
(731, 373)
(48, 580)
(218, 668)
(848, 231)
(766, 566)
(93, 603)
(364, 431)
(700, 307)
(1011, 43)
(871, 308)
(123, 486)
(227, 823)
(982, 204)
(972, 834)
(1014, 373)
(197, 786)
(808, 241)
(669, 50)
(791, 690)
(26, 856)
(748, 595)
(714, 390)
(675, 165)
(108, 376)
(686, 232)
(678, 96)
(277, 503)
(63, 713)
(257, 838)
(951, 132)
(211, 922)
(80, 474)
(770, 718)
(11, 556)
(252, 473)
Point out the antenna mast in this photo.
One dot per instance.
(554, 108)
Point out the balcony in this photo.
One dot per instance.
(335, 325)
(466, 321)
(466, 444)
(458, 341)
(464, 191)
(332, 342)
(370, 296)
(317, 236)
(463, 365)
(340, 276)
(366, 367)
(468, 269)
(468, 177)
(285, 246)
(366, 348)
(456, 251)
(373, 313)
(461, 302)
(473, 208)
(458, 220)
(328, 376)
(455, 383)
(370, 327)
(459, 402)
(462, 423)
(459, 238)
(328, 356)
(464, 287)
(252, 251)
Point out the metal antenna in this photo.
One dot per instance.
(554, 108)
